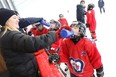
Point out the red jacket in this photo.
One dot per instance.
(44, 31)
(55, 46)
(91, 21)
(63, 22)
(81, 58)
(33, 30)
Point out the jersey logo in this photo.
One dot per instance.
(83, 53)
(77, 65)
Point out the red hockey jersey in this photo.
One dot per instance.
(44, 31)
(81, 58)
(91, 21)
(63, 22)
(55, 46)
(33, 30)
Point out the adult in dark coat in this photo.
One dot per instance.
(80, 12)
(18, 48)
(101, 6)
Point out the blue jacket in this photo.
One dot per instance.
(100, 3)
(24, 22)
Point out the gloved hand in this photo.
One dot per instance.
(100, 72)
(43, 22)
(58, 31)
(54, 58)
(29, 33)
(87, 25)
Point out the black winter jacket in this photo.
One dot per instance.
(18, 52)
(80, 13)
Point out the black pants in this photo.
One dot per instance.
(72, 75)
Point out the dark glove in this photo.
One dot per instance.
(30, 33)
(58, 31)
(54, 58)
(100, 72)
(87, 25)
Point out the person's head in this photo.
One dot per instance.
(82, 2)
(90, 6)
(61, 16)
(8, 19)
(78, 28)
(38, 26)
(54, 25)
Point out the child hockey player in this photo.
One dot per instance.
(91, 21)
(63, 21)
(80, 54)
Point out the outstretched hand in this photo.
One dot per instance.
(43, 22)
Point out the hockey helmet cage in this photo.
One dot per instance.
(82, 27)
(56, 22)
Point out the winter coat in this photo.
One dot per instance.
(91, 20)
(80, 12)
(24, 22)
(100, 3)
(18, 52)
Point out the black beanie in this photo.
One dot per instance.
(5, 14)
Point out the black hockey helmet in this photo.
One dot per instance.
(91, 6)
(61, 15)
(57, 26)
(82, 1)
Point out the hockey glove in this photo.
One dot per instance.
(87, 25)
(100, 72)
(30, 33)
(54, 58)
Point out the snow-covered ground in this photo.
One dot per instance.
(106, 28)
